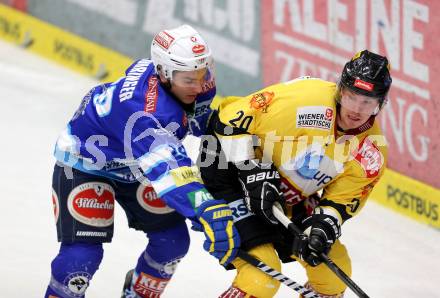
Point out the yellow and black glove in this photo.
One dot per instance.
(261, 183)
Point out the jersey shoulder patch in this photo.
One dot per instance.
(369, 157)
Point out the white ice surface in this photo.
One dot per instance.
(392, 256)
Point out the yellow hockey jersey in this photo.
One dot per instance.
(293, 124)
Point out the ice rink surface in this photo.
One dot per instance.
(392, 256)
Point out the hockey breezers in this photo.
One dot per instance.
(286, 222)
(306, 293)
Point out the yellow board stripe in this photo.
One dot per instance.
(409, 197)
(70, 50)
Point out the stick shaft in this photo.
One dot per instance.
(306, 293)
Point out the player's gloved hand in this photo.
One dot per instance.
(324, 230)
(222, 238)
(261, 184)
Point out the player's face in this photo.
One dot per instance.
(356, 109)
(186, 85)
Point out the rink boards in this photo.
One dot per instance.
(398, 192)
(68, 49)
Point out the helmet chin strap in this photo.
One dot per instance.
(376, 111)
(380, 106)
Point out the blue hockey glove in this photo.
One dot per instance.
(324, 230)
(222, 238)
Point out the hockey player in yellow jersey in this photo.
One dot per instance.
(313, 146)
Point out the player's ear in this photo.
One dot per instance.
(161, 75)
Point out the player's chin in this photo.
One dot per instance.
(189, 99)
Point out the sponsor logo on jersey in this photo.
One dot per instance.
(56, 205)
(311, 170)
(234, 292)
(185, 175)
(329, 113)
(198, 49)
(147, 198)
(317, 117)
(261, 100)
(239, 210)
(164, 39)
(291, 194)
(363, 85)
(92, 203)
(151, 95)
(132, 79)
(208, 85)
(149, 286)
(369, 157)
(91, 234)
(201, 108)
(112, 165)
(198, 197)
(77, 283)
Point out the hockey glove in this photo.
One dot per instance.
(222, 238)
(324, 230)
(260, 184)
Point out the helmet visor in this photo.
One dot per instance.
(359, 103)
(201, 78)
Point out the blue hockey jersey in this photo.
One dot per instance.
(131, 130)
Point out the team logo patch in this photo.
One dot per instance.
(56, 205)
(198, 49)
(92, 203)
(369, 157)
(261, 100)
(164, 39)
(363, 85)
(151, 95)
(149, 286)
(77, 283)
(103, 101)
(318, 117)
(147, 198)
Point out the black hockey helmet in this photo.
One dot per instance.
(367, 74)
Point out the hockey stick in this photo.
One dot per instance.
(286, 222)
(306, 293)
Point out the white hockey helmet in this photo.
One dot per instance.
(181, 49)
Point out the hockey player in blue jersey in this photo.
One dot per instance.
(124, 144)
